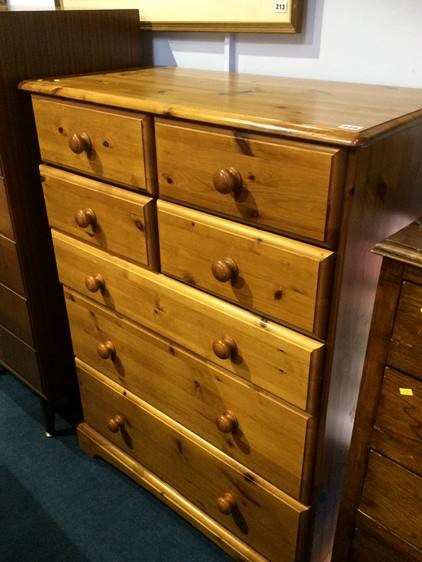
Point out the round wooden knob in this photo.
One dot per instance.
(225, 347)
(115, 423)
(225, 270)
(80, 142)
(227, 180)
(106, 350)
(95, 283)
(226, 503)
(85, 218)
(227, 422)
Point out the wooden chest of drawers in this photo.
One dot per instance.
(218, 282)
(380, 517)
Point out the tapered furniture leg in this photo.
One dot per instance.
(48, 417)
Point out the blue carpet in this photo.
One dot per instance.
(56, 504)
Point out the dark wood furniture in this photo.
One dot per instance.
(34, 339)
(380, 517)
(226, 381)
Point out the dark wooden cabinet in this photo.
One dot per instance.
(380, 516)
(34, 338)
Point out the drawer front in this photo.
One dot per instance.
(279, 277)
(405, 352)
(199, 472)
(280, 185)
(392, 496)
(109, 217)
(14, 314)
(20, 358)
(109, 144)
(269, 437)
(279, 360)
(10, 272)
(5, 219)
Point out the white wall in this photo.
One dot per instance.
(372, 41)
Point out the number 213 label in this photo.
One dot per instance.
(280, 7)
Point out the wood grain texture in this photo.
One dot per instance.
(14, 314)
(6, 227)
(277, 276)
(393, 496)
(374, 543)
(405, 351)
(94, 444)
(10, 272)
(121, 217)
(397, 431)
(266, 519)
(108, 39)
(117, 139)
(20, 359)
(405, 245)
(279, 360)
(307, 109)
(286, 186)
(271, 438)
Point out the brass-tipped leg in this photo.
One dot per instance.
(48, 414)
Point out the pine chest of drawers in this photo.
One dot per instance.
(212, 234)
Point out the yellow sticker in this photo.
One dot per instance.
(406, 392)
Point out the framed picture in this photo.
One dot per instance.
(261, 16)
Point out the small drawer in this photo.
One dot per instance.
(287, 280)
(280, 360)
(106, 143)
(20, 358)
(285, 186)
(269, 521)
(10, 272)
(397, 433)
(5, 219)
(109, 217)
(250, 426)
(405, 352)
(392, 496)
(14, 314)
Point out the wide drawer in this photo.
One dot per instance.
(14, 314)
(254, 511)
(392, 496)
(5, 218)
(10, 272)
(111, 218)
(397, 432)
(279, 360)
(405, 352)
(276, 184)
(20, 358)
(107, 143)
(279, 277)
(265, 435)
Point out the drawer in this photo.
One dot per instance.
(109, 217)
(10, 272)
(5, 219)
(276, 184)
(14, 314)
(397, 433)
(268, 436)
(392, 496)
(255, 511)
(405, 351)
(107, 143)
(279, 360)
(19, 358)
(276, 276)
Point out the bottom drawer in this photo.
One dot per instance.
(252, 509)
(14, 314)
(19, 358)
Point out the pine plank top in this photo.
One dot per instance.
(405, 245)
(334, 112)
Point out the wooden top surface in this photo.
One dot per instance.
(335, 112)
(405, 245)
